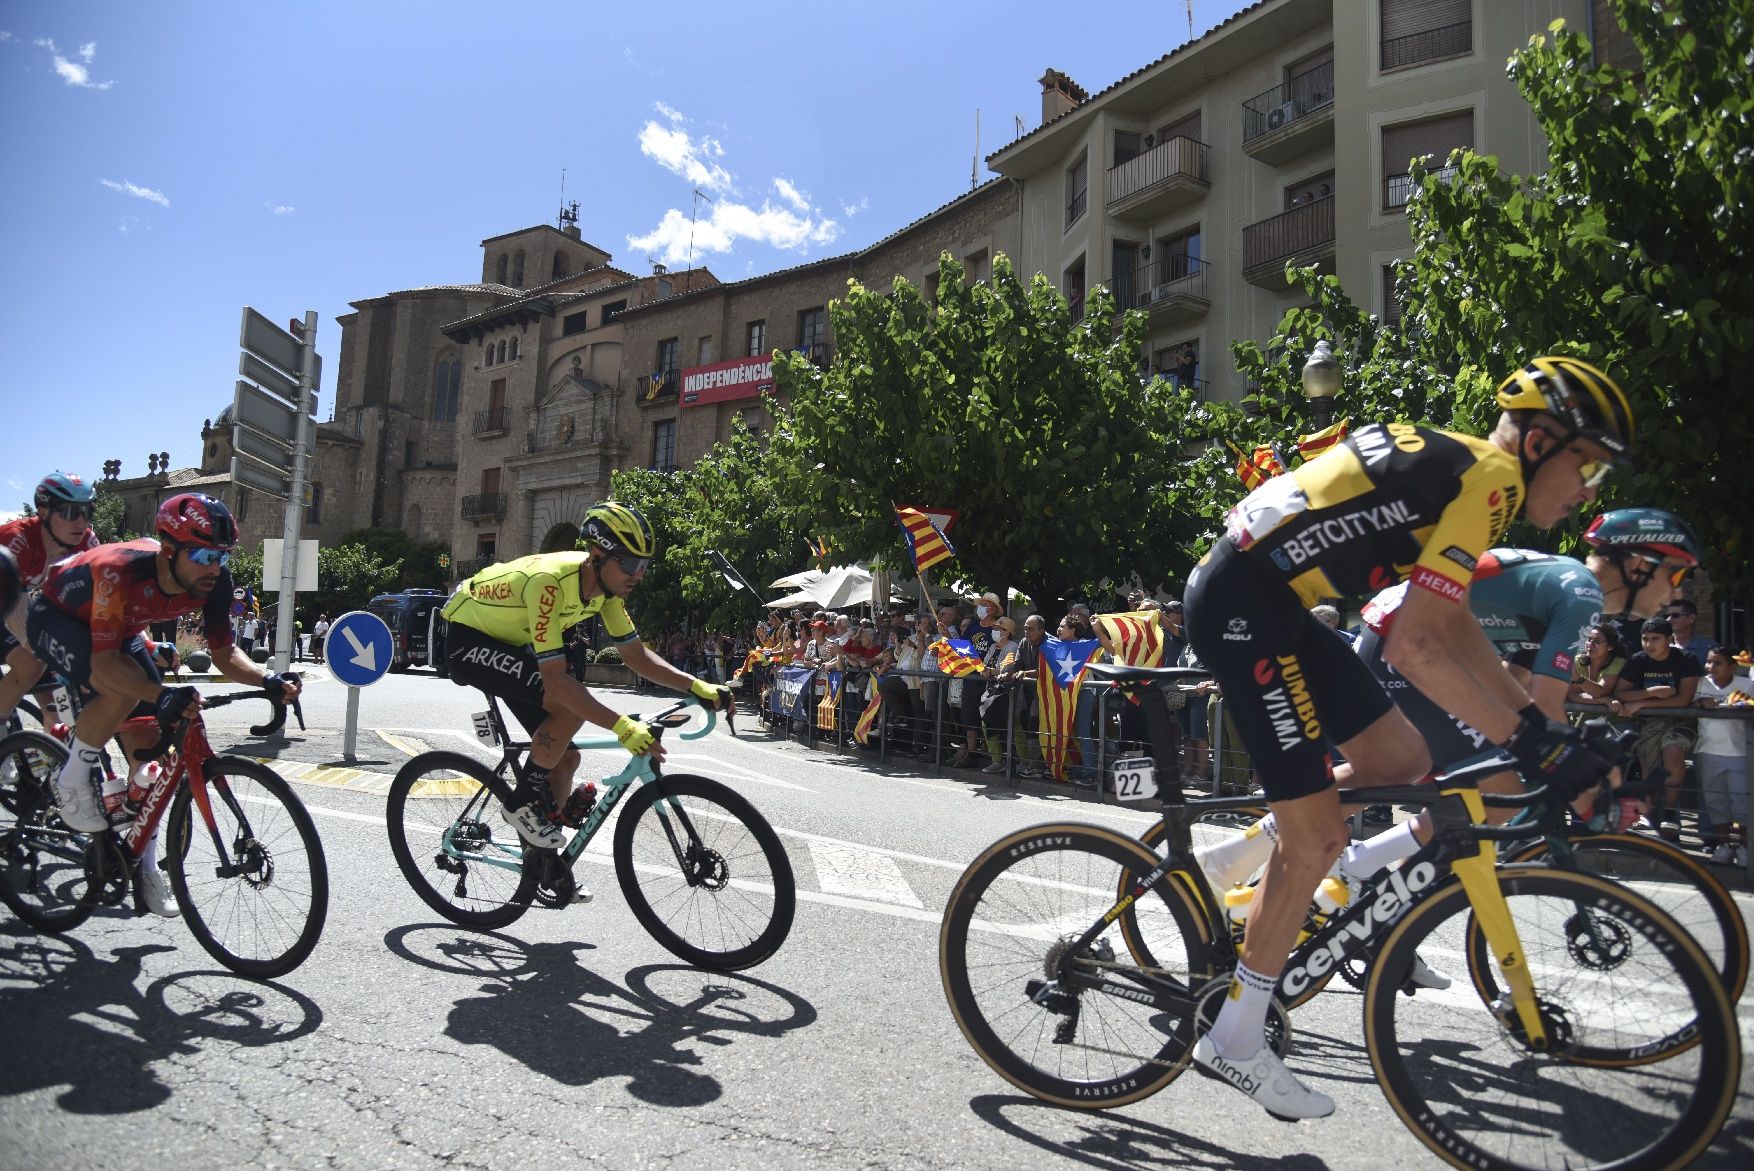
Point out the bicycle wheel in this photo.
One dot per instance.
(1671, 879)
(1471, 1089)
(1010, 918)
(27, 717)
(42, 862)
(254, 889)
(704, 873)
(453, 844)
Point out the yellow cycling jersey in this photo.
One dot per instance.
(533, 601)
(1393, 502)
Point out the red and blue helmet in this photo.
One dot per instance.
(192, 518)
(62, 488)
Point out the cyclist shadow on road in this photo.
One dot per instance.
(73, 1018)
(1119, 1142)
(545, 1009)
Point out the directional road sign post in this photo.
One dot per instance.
(358, 651)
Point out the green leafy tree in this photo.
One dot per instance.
(349, 576)
(418, 559)
(1067, 467)
(109, 515)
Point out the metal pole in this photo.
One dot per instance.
(350, 734)
(295, 504)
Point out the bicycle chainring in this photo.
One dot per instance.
(107, 871)
(1209, 999)
(555, 885)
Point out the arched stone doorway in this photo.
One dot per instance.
(562, 538)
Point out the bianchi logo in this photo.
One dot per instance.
(1238, 631)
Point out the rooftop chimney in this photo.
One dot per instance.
(1059, 94)
(658, 269)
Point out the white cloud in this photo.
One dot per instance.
(852, 209)
(4, 36)
(137, 191)
(779, 227)
(791, 194)
(672, 148)
(284, 209)
(75, 72)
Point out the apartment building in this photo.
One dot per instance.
(1282, 136)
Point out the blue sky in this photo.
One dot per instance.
(170, 163)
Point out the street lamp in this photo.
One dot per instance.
(1321, 382)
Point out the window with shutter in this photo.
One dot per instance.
(1431, 139)
(1188, 127)
(1416, 32)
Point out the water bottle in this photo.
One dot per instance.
(115, 797)
(1238, 902)
(579, 805)
(61, 732)
(1332, 894)
(141, 783)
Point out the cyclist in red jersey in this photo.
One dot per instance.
(61, 527)
(89, 622)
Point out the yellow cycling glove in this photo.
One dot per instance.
(716, 694)
(634, 736)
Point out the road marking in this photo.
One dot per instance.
(410, 745)
(865, 874)
(356, 780)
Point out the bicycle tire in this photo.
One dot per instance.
(27, 707)
(1005, 927)
(749, 881)
(264, 921)
(42, 862)
(441, 792)
(1674, 881)
(1477, 1095)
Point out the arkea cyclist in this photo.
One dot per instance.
(88, 624)
(1391, 502)
(507, 637)
(61, 527)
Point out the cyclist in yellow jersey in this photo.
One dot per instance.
(507, 637)
(1393, 502)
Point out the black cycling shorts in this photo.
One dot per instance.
(1451, 741)
(1291, 683)
(508, 673)
(63, 643)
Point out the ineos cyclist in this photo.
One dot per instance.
(1391, 502)
(61, 527)
(89, 623)
(506, 637)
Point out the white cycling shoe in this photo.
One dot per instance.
(76, 802)
(155, 891)
(1423, 975)
(1264, 1078)
(535, 828)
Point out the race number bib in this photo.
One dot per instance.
(484, 729)
(1135, 779)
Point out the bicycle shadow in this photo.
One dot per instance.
(88, 1025)
(551, 1013)
(1121, 1142)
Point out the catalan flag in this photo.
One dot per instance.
(1312, 445)
(819, 550)
(830, 698)
(955, 657)
(868, 719)
(1056, 685)
(926, 542)
(1137, 639)
(1255, 470)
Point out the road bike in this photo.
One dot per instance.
(1595, 1032)
(240, 848)
(702, 870)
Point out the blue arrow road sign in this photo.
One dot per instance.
(359, 649)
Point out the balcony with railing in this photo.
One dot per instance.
(1291, 119)
(491, 421)
(1304, 235)
(1076, 206)
(1428, 45)
(1171, 174)
(484, 506)
(1398, 189)
(471, 567)
(660, 386)
(1171, 289)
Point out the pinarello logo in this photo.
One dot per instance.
(1381, 579)
(1494, 498)
(1263, 672)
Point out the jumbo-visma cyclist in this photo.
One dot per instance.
(61, 527)
(88, 625)
(506, 637)
(1392, 502)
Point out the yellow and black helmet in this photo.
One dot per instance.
(1582, 398)
(618, 528)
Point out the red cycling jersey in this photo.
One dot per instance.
(114, 590)
(29, 545)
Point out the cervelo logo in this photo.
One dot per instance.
(1438, 584)
(1289, 706)
(504, 662)
(1394, 896)
(544, 612)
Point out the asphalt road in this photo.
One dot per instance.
(572, 1037)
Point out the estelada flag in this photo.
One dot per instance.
(826, 705)
(1255, 470)
(926, 542)
(955, 657)
(1056, 685)
(868, 719)
(1137, 639)
(1312, 445)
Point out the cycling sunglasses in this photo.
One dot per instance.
(1594, 471)
(74, 511)
(201, 555)
(1675, 573)
(632, 566)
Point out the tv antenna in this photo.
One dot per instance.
(569, 212)
(974, 166)
(698, 196)
(1190, 20)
